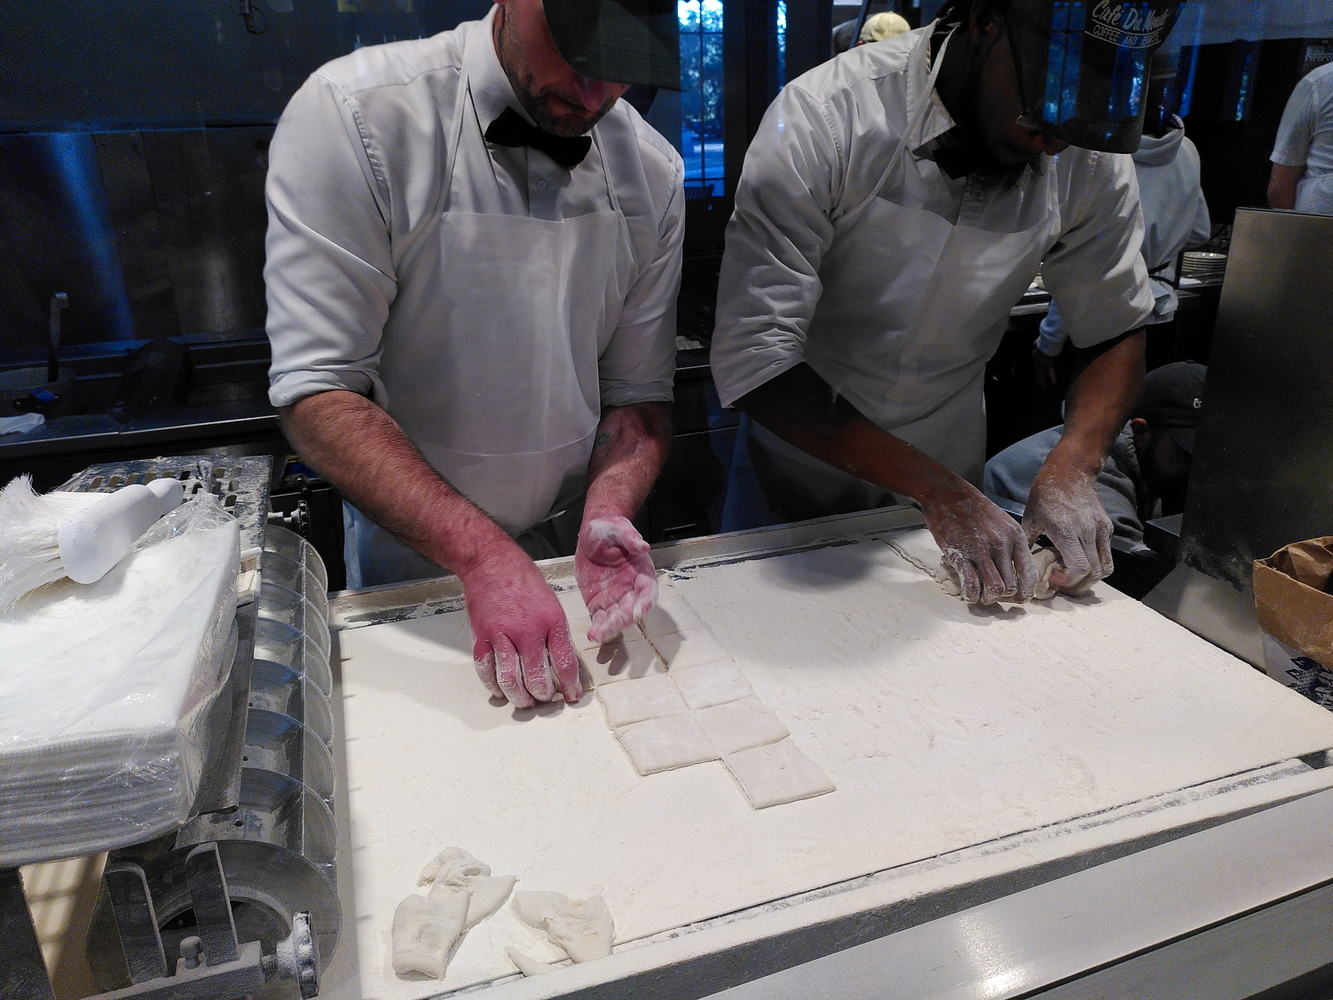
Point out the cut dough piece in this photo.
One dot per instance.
(425, 931)
(527, 966)
(738, 725)
(711, 683)
(948, 580)
(690, 648)
(646, 698)
(776, 773)
(454, 868)
(572, 602)
(668, 615)
(625, 658)
(1048, 561)
(663, 744)
(578, 632)
(582, 927)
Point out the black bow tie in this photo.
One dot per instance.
(511, 130)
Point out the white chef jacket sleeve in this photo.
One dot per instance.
(778, 234)
(1096, 270)
(638, 365)
(1295, 132)
(329, 274)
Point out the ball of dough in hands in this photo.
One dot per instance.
(1047, 561)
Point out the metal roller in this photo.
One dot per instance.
(280, 689)
(280, 743)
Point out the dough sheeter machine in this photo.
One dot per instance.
(1076, 800)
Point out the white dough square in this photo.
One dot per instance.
(572, 602)
(651, 697)
(690, 648)
(578, 632)
(738, 725)
(776, 773)
(622, 659)
(663, 744)
(668, 615)
(711, 684)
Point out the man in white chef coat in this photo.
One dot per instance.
(895, 203)
(1302, 175)
(473, 257)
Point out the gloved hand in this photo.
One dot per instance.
(520, 637)
(1064, 506)
(983, 544)
(615, 574)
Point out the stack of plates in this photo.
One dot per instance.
(104, 695)
(1205, 268)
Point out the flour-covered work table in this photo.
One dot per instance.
(1021, 793)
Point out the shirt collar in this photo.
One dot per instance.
(486, 79)
(926, 112)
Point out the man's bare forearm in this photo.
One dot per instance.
(1282, 183)
(1098, 404)
(359, 448)
(802, 409)
(628, 453)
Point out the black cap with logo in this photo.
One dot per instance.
(1173, 400)
(620, 41)
(1083, 67)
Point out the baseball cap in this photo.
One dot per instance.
(1173, 400)
(620, 41)
(1083, 68)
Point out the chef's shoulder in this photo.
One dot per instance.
(387, 90)
(1095, 186)
(647, 170)
(861, 94)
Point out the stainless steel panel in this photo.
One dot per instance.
(1263, 461)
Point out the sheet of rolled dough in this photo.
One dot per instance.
(572, 601)
(665, 744)
(651, 697)
(623, 659)
(690, 648)
(738, 725)
(578, 632)
(777, 773)
(670, 614)
(711, 683)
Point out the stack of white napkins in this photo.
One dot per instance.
(105, 690)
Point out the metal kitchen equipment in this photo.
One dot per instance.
(243, 897)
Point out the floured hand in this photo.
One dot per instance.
(615, 574)
(982, 545)
(1047, 562)
(1065, 508)
(520, 637)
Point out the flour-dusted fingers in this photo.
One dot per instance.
(615, 573)
(992, 583)
(483, 658)
(564, 663)
(1029, 574)
(537, 675)
(509, 673)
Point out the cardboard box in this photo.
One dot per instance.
(1293, 594)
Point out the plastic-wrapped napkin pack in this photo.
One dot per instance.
(105, 690)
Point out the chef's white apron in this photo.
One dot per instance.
(913, 306)
(491, 369)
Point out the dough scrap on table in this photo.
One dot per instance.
(1047, 561)
(690, 648)
(711, 683)
(739, 725)
(652, 697)
(525, 964)
(455, 868)
(582, 928)
(665, 744)
(621, 659)
(777, 773)
(425, 930)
